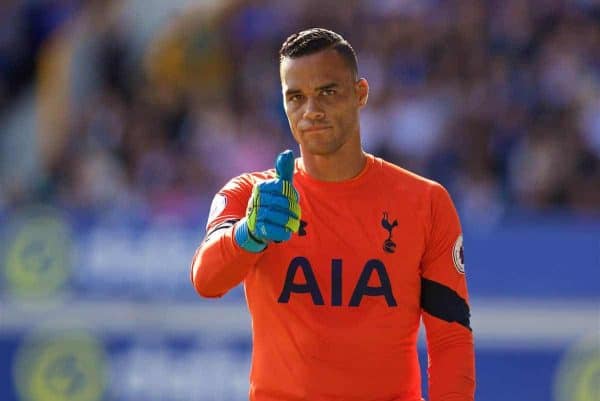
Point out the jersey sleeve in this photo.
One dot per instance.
(219, 264)
(445, 307)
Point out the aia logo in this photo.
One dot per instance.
(388, 245)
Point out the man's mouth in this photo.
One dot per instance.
(316, 128)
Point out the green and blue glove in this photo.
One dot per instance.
(273, 212)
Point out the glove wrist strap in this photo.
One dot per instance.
(246, 240)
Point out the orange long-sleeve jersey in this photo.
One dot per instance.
(336, 309)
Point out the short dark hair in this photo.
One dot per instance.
(314, 40)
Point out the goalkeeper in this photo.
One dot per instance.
(341, 253)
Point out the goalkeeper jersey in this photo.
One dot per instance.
(336, 309)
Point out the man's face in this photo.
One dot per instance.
(321, 100)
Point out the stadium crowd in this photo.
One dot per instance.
(499, 100)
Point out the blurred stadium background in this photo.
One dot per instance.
(120, 119)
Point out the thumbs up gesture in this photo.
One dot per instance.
(273, 212)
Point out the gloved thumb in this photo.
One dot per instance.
(284, 165)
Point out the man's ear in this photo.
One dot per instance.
(362, 90)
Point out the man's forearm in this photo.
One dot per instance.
(452, 364)
(219, 264)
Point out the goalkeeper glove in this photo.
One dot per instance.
(273, 212)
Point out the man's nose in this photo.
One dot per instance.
(313, 110)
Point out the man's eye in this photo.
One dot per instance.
(295, 98)
(328, 92)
